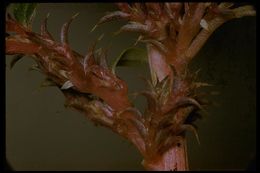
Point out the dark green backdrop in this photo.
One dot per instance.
(42, 135)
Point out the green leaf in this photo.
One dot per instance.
(24, 12)
(130, 57)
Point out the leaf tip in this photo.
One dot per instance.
(204, 24)
(67, 85)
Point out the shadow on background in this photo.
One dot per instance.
(8, 167)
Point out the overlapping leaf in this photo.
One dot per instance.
(24, 12)
(130, 57)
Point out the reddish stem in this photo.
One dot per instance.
(174, 159)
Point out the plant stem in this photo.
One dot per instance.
(174, 159)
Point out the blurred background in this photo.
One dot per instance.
(41, 134)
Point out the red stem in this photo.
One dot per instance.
(174, 159)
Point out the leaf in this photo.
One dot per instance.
(24, 12)
(201, 84)
(134, 27)
(15, 59)
(130, 57)
(65, 30)
(63, 73)
(157, 44)
(204, 24)
(47, 82)
(225, 5)
(189, 101)
(67, 85)
(190, 127)
(111, 16)
(35, 67)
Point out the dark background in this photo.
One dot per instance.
(42, 135)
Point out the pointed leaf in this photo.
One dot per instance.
(130, 57)
(112, 16)
(138, 39)
(44, 30)
(48, 82)
(134, 27)
(157, 44)
(35, 67)
(102, 57)
(63, 73)
(65, 29)
(189, 101)
(164, 84)
(67, 85)
(191, 128)
(204, 24)
(201, 84)
(135, 112)
(226, 5)
(24, 12)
